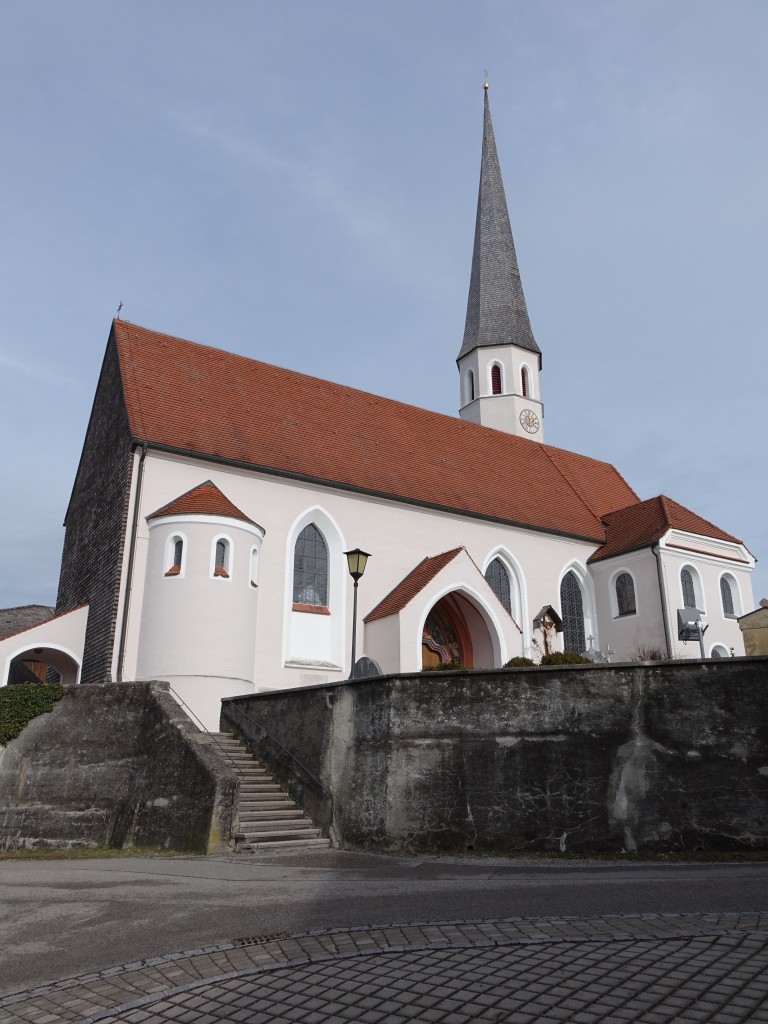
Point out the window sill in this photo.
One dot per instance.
(312, 609)
(175, 570)
(220, 574)
(625, 615)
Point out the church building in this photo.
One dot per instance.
(216, 497)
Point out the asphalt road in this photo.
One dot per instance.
(63, 918)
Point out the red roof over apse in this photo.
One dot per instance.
(206, 402)
(204, 500)
(645, 522)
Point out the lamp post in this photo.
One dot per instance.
(356, 561)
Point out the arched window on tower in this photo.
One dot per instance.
(221, 559)
(498, 579)
(310, 569)
(524, 381)
(496, 379)
(176, 551)
(471, 386)
(625, 594)
(572, 609)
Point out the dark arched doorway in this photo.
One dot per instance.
(446, 639)
(43, 665)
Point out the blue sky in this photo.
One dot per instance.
(297, 182)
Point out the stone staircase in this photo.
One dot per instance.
(267, 818)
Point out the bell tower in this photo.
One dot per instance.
(499, 362)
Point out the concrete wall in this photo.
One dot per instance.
(659, 756)
(115, 765)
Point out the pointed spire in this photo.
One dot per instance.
(496, 310)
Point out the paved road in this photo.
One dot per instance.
(76, 917)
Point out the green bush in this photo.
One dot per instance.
(518, 662)
(565, 658)
(20, 704)
(452, 667)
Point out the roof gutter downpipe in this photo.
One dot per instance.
(656, 549)
(129, 570)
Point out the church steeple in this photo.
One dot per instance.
(499, 358)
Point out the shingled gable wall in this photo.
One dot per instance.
(96, 521)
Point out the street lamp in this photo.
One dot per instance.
(356, 561)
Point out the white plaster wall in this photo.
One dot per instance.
(64, 635)
(397, 536)
(627, 633)
(201, 696)
(195, 624)
(721, 630)
(501, 412)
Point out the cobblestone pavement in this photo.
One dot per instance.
(648, 968)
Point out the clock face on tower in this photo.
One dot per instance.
(529, 421)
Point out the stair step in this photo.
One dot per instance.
(279, 835)
(266, 808)
(276, 814)
(291, 844)
(268, 827)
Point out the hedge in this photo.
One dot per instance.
(21, 703)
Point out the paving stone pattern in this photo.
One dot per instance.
(647, 968)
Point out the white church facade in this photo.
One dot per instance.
(216, 497)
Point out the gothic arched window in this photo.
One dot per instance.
(498, 579)
(689, 593)
(625, 594)
(310, 568)
(572, 607)
(726, 593)
(471, 386)
(524, 382)
(496, 379)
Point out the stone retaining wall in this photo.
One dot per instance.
(115, 765)
(657, 756)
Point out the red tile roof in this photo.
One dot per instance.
(204, 500)
(642, 524)
(203, 401)
(413, 584)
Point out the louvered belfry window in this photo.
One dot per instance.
(496, 379)
(572, 606)
(310, 568)
(498, 578)
(524, 382)
(727, 595)
(625, 594)
(689, 594)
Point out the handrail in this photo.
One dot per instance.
(207, 732)
(228, 700)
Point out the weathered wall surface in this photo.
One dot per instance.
(115, 765)
(96, 522)
(655, 756)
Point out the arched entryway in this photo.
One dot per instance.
(43, 665)
(455, 632)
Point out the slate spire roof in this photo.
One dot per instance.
(496, 310)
